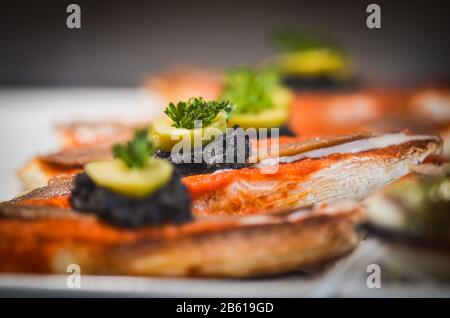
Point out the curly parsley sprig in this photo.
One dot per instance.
(136, 152)
(184, 114)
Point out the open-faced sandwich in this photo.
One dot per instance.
(422, 110)
(133, 215)
(136, 215)
(308, 60)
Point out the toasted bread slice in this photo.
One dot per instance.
(45, 239)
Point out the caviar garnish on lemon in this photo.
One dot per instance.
(116, 176)
(259, 98)
(133, 173)
(134, 189)
(307, 54)
(186, 121)
(317, 62)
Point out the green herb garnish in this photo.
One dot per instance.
(250, 90)
(185, 114)
(288, 40)
(135, 153)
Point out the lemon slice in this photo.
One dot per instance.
(116, 176)
(165, 136)
(281, 97)
(313, 63)
(269, 118)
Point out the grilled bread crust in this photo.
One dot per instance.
(42, 239)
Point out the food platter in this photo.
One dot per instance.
(23, 136)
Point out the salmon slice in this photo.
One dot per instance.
(321, 170)
(351, 170)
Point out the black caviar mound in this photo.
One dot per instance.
(213, 156)
(169, 204)
(300, 83)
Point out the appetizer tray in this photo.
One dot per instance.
(27, 119)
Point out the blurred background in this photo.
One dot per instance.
(121, 42)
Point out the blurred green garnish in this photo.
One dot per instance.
(136, 152)
(290, 40)
(310, 54)
(250, 90)
(426, 202)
